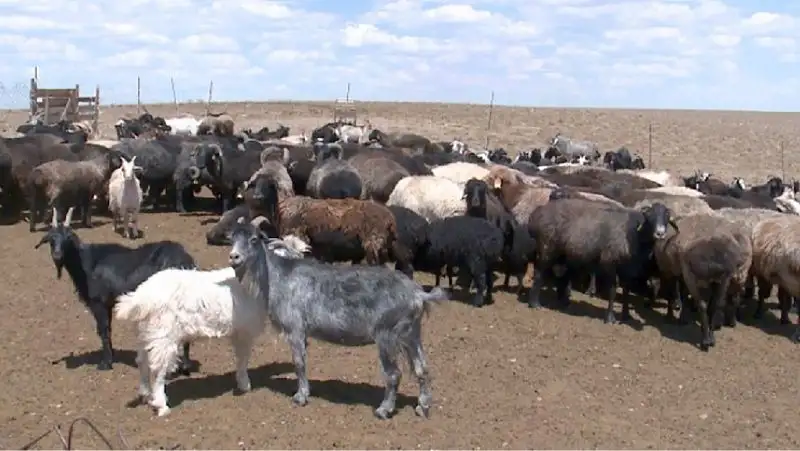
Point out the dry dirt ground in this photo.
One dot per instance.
(504, 376)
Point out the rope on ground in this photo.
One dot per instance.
(66, 442)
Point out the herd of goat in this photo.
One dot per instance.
(585, 220)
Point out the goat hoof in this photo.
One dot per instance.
(161, 411)
(610, 318)
(423, 411)
(104, 366)
(299, 399)
(796, 336)
(383, 413)
(534, 304)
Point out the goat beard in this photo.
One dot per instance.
(59, 268)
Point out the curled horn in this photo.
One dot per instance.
(258, 220)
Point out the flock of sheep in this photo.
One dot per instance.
(586, 220)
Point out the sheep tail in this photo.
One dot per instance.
(135, 307)
(435, 296)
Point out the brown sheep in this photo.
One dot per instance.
(63, 184)
(216, 124)
(344, 229)
(776, 259)
(710, 257)
(379, 175)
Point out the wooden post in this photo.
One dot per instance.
(210, 95)
(96, 120)
(347, 94)
(46, 110)
(33, 96)
(489, 121)
(174, 95)
(783, 160)
(650, 146)
(138, 95)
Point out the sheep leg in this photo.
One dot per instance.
(611, 294)
(386, 342)
(785, 302)
(683, 295)
(102, 317)
(536, 287)
(158, 399)
(242, 348)
(764, 290)
(562, 289)
(133, 229)
(749, 288)
(86, 206)
(418, 364)
(732, 310)
(297, 341)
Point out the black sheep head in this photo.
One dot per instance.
(637, 163)
(655, 222)
(475, 193)
(775, 187)
(57, 237)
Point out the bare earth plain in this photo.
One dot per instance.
(504, 376)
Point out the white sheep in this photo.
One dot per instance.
(177, 306)
(663, 178)
(460, 172)
(296, 139)
(186, 125)
(677, 191)
(429, 196)
(125, 197)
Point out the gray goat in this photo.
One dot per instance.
(348, 305)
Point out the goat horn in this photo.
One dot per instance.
(68, 219)
(54, 223)
(258, 220)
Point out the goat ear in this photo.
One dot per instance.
(44, 240)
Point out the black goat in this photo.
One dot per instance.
(103, 271)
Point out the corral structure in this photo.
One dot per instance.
(345, 111)
(54, 104)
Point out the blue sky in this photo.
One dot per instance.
(720, 54)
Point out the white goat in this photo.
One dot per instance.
(296, 139)
(125, 197)
(186, 125)
(177, 306)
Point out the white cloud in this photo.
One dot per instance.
(568, 52)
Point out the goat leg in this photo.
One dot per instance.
(102, 316)
(297, 342)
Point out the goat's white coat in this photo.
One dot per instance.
(663, 178)
(125, 196)
(353, 133)
(677, 191)
(175, 306)
(295, 139)
(429, 196)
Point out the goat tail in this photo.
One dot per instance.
(435, 296)
(135, 307)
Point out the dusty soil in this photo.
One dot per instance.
(505, 376)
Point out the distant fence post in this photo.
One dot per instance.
(650, 145)
(210, 94)
(174, 95)
(781, 148)
(138, 95)
(489, 121)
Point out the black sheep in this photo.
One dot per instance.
(412, 231)
(103, 271)
(473, 245)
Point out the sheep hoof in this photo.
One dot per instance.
(478, 301)
(610, 318)
(423, 411)
(104, 366)
(163, 410)
(707, 343)
(534, 304)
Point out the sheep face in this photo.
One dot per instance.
(206, 156)
(657, 218)
(57, 237)
(475, 192)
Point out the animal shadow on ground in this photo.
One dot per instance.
(216, 385)
(582, 308)
(73, 361)
(769, 323)
(122, 232)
